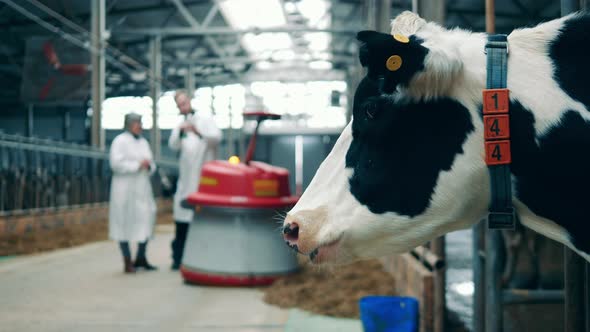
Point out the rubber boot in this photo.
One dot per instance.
(129, 268)
(141, 262)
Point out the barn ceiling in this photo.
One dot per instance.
(215, 40)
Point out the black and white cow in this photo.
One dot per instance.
(410, 165)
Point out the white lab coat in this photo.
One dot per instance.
(132, 208)
(194, 152)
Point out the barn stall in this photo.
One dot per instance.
(60, 116)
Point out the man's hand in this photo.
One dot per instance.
(145, 164)
(187, 126)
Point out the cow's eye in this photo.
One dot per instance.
(372, 107)
(371, 113)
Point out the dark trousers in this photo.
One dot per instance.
(126, 251)
(179, 241)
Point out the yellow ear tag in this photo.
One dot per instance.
(401, 38)
(393, 63)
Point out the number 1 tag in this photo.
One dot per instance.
(495, 101)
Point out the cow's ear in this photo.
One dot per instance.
(372, 43)
(364, 55)
(367, 36)
(373, 38)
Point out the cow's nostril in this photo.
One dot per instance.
(291, 232)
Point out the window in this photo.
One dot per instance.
(315, 104)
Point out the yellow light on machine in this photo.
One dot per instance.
(234, 160)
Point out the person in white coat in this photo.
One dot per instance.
(196, 138)
(132, 208)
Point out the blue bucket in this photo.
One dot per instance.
(389, 314)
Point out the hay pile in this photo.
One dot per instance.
(333, 292)
(63, 237)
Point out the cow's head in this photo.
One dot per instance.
(401, 172)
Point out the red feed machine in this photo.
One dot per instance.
(235, 237)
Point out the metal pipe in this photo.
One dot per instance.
(299, 165)
(587, 297)
(574, 266)
(155, 89)
(189, 81)
(98, 71)
(569, 6)
(490, 16)
(30, 120)
(493, 271)
(85, 153)
(437, 247)
(527, 296)
(432, 261)
(372, 14)
(430, 10)
(384, 18)
(170, 31)
(478, 279)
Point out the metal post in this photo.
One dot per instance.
(155, 87)
(384, 16)
(478, 278)
(488, 300)
(30, 122)
(189, 82)
(490, 16)
(299, 165)
(430, 10)
(434, 10)
(493, 273)
(371, 14)
(437, 246)
(587, 297)
(569, 6)
(66, 126)
(378, 15)
(574, 266)
(98, 71)
(230, 134)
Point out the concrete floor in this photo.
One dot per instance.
(84, 289)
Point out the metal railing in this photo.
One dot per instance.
(40, 173)
(493, 268)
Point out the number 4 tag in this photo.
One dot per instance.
(498, 152)
(496, 126)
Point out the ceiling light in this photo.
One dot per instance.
(266, 41)
(322, 55)
(138, 76)
(315, 11)
(263, 65)
(284, 55)
(320, 65)
(242, 14)
(290, 7)
(318, 41)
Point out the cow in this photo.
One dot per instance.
(410, 165)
